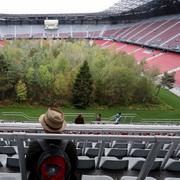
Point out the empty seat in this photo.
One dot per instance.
(9, 150)
(139, 152)
(92, 152)
(138, 145)
(98, 145)
(79, 151)
(116, 152)
(134, 178)
(119, 145)
(171, 178)
(10, 176)
(136, 163)
(162, 153)
(13, 162)
(81, 144)
(13, 143)
(2, 143)
(172, 165)
(96, 177)
(85, 162)
(166, 146)
(112, 163)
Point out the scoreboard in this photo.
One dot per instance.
(51, 24)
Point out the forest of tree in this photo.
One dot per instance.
(51, 73)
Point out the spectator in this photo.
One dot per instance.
(117, 118)
(79, 119)
(52, 122)
(98, 118)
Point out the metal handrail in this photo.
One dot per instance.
(157, 140)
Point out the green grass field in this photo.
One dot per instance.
(169, 108)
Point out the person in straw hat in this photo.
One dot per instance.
(52, 122)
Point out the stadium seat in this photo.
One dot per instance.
(13, 162)
(138, 146)
(85, 162)
(116, 152)
(119, 145)
(92, 152)
(98, 145)
(172, 165)
(112, 163)
(139, 152)
(9, 150)
(79, 151)
(171, 178)
(2, 143)
(136, 163)
(96, 177)
(134, 178)
(10, 176)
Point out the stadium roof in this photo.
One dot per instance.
(121, 12)
(126, 5)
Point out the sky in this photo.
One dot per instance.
(53, 6)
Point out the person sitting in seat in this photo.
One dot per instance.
(52, 122)
(79, 119)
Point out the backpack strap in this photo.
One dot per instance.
(45, 146)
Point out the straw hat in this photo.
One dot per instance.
(53, 120)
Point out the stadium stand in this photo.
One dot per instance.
(148, 30)
(117, 156)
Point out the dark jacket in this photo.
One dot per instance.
(79, 120)
(35, 151)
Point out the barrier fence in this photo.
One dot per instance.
(157, 140)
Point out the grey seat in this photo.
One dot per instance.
(96, 177)
(162, 153)
(139, 152)
(13, 162)
(81, 144)
(138, 145)
(2, 143)
(171, 178)
(85, 162)
(116, 152)
(172, 165)
(134, 178)
(112, 163)
(119, 145)
(79, 151)
(9, 150)
(98, 145)
(10, 176)
(136, 163)
(92, 152)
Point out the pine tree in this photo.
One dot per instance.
(82, 87)
(168, 80)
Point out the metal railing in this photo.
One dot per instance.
(97, 128)
(23, 116)
(160, 121)
(157, 140)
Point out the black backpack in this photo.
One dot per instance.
(54, 163)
